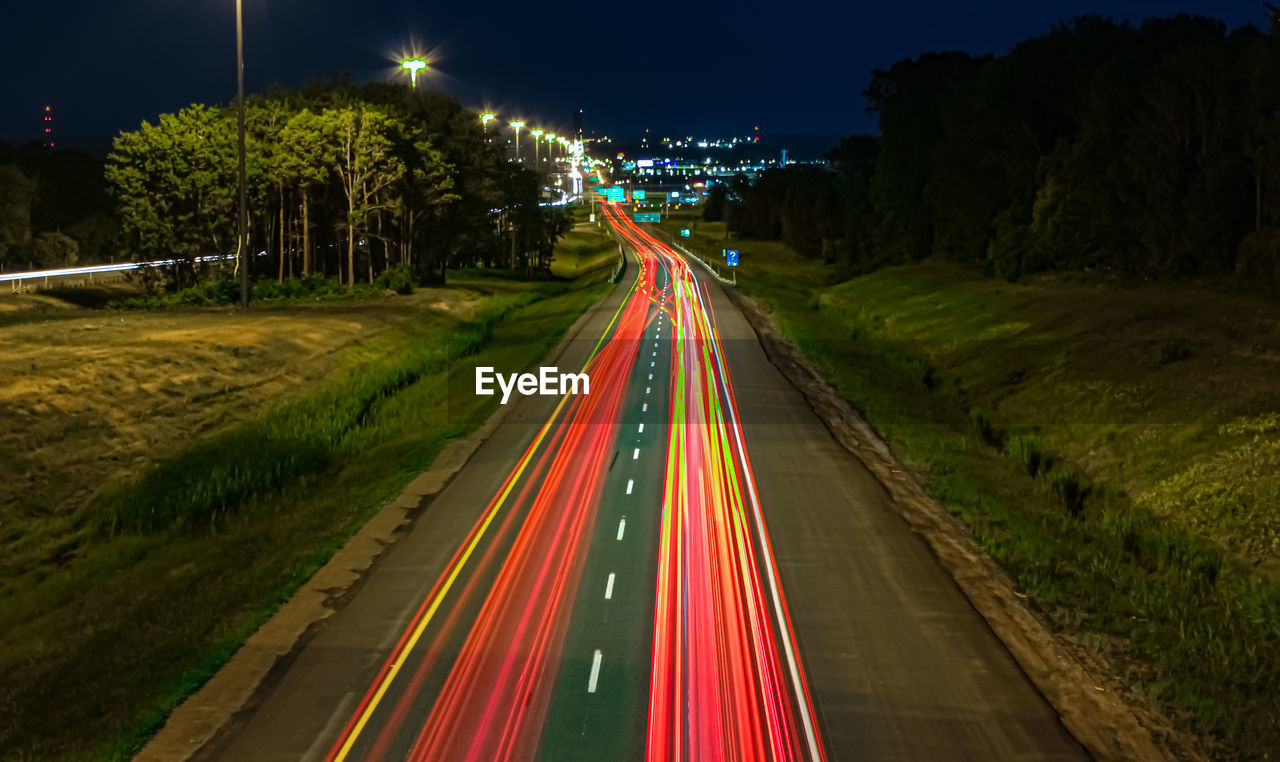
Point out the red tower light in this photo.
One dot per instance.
(48, 126)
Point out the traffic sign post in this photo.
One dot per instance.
(732, 256)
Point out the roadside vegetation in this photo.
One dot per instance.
(167, 495)
(1048, 280)
(584, 249)
(1114, 446)
(225, 291)
(1149, 151)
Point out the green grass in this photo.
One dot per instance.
(1115, 448)
(177, 568)
(583, 251)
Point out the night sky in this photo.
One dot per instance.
(703, 67)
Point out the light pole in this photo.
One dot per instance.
(413, 65)
(242, 258)
(536, 134)
(516, 126)
(551, 152)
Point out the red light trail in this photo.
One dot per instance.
(725, 681)
(719, 688)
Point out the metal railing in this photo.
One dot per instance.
(671, 241)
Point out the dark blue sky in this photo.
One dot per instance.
(797, 66)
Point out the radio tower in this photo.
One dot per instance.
(48, 126)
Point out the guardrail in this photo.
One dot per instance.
(671, 241)
(622, 265)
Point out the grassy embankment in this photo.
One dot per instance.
(259, 442)
(584, 249)
(1115, 447)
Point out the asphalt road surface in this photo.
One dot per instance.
(681, 565)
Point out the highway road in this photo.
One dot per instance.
(681, 565)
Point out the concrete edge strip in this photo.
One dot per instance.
(1098, 717)
(198, 719)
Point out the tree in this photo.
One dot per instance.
(366, 168)
(714, 208)
(307, 154)
(175, 186)
(55, 250)
(16, 194)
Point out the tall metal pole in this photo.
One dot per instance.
(243, 248)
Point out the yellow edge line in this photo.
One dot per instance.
(457, 569)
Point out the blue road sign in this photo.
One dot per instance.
(675, 194)
(648, 217)
(732, 256)
(617, 193)
(684, 233)
(637, 195)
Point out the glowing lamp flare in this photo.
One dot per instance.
(413, 66)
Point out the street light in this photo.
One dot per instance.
(242, 253)
(487, 117)
(536, 134)
(551, 151)
(413, 65)
(516, 126)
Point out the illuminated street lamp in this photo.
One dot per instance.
(551, 152)
(536, 134)
(516, 126)
(487, 117)
(413, 65)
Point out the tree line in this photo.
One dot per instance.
(54, 209)
(1150, 150)
(342, 180)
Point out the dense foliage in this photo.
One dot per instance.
(54, 210)
(1152, 151)
(344, 181)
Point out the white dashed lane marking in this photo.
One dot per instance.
(595, 671)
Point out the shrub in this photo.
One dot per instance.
(1070, 489)
(1258, 259)
(1025, 451)
(397, 279)
(982, 424)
